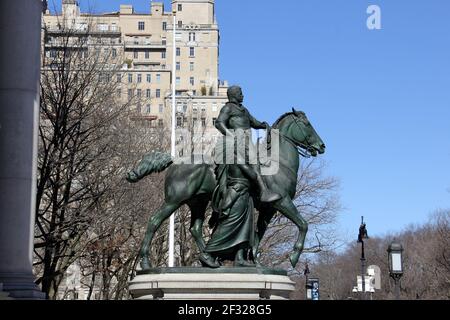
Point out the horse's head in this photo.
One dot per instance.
(297, 128)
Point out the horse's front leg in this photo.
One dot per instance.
(153, 225)
(288, 209)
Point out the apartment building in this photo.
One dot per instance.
(145, 41)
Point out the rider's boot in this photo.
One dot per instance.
(266, 195)
(208, 261)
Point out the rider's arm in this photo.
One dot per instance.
(255, 124)
(222, 120)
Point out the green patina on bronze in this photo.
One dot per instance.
(236, 190)
(228, 270)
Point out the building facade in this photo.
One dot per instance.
(144, 40)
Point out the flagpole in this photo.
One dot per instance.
(172, 217)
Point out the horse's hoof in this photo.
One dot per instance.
(208, 261)
(132, 177)
(145, 264)
(244, 263)
(293, 257)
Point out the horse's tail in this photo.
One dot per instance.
(151, 163)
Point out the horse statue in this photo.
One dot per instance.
(193, 185)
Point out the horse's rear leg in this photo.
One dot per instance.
(198, 209)
(153, 225)
(288, 209)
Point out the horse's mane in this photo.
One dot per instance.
(276, 123)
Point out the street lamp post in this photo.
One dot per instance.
(306, 272)
(361, 237)
(395, 257)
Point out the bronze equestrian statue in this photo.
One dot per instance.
(195, 184)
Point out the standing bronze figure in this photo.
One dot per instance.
(195, 184)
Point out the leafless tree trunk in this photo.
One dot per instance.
(78, 151)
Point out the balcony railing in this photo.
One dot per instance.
(83, 30)
(194, 27)
(145, 44)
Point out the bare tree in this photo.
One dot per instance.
(81, 109)
(426, 264)
(318, 202)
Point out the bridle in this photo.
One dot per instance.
(302, 149)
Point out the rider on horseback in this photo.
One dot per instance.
(234, 116)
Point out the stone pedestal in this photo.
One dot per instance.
(3, 295)
(20, 30)
(211, 284)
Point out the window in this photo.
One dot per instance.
(179, 122)
(180, 7)
(147, 54)
(148, 93)
(119, 93)
(158, 78)
(141, 25)
(119, 78)
(178, 66)
(180, 24)
(130, 94)
(192, 51)
(163, 55)
(203, 122)
(161, 108)
(148, 108)
(139, 93)
(158, 93)
(191, 66)
(139, 78)
(194, 92)
(191, 36)
(114, 53)
(160, 123)
(178, 52)
(178, 36)
(194, 122)
(136, 55)
(102, 27)
(136, 40)
(203, 106)
(214, 121)
(178, 81)
(164, 25)
(149, 77)
(192, 81)
(130, 78)
(164, 42)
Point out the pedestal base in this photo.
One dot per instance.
(211, 284)
(21, 286)
(3, 295)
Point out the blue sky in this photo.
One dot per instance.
(379, 99)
